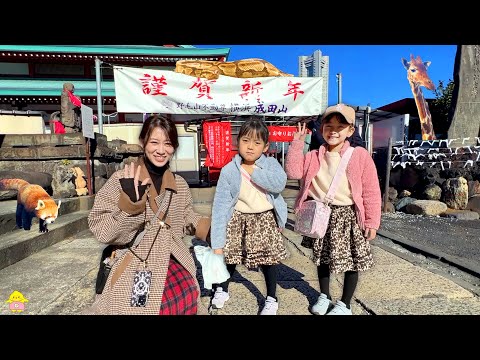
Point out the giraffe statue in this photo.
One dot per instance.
(417, 76)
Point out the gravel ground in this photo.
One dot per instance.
(454, 237)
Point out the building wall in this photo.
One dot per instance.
(186, 158)
(22, 124)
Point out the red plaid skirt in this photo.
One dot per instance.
(180, 293)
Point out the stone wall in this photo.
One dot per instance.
(32, 156)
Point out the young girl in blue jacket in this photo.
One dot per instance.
(249, 213)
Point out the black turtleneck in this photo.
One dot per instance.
(156, 173)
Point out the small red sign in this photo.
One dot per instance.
(281, 133)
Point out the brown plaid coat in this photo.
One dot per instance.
(115, 219)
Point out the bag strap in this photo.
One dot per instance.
(129, 255)
(338, 174)
(139, 237)
(248, 178)
(154, 218)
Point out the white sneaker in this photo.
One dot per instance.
(219, 298)
(340, 309)
(322, 305)
(271, 306)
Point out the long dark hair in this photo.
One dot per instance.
(163, 123)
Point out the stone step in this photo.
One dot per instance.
(29, 140)
(19, 244)
(68, 206)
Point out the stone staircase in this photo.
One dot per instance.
(17, 244)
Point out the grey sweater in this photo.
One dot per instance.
(269, 175)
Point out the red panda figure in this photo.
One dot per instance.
(32, 201)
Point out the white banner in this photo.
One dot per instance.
(140, 90)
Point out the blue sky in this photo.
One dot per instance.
(370, 73)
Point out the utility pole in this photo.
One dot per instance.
(366, 127)
(387, 174)
(98, 62)
(339, 81)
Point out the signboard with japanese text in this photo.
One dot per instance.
(281, 133)
(218, 142)
(141, 90)
(87, 121)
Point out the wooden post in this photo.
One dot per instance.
(387, 174)
(89, 171)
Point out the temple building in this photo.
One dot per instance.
(32, 76)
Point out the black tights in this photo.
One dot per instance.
(269, 271)
(349, 283)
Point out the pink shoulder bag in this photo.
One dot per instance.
(313, 216)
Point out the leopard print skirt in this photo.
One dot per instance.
(343, 247)
(253, 240)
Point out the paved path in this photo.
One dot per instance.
(60, 280)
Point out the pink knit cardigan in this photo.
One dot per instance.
(361, 174)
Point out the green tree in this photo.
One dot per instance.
(440, 107)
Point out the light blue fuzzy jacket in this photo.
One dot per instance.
(269, 175)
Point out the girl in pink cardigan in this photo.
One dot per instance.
(356, 208)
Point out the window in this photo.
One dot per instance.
(186, 148)
(59, 69)
(106, 72)
(134, 118)
(13, 68)
(163, 68)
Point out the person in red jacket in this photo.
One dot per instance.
(356, 207)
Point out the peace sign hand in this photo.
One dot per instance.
(130, 173)
(301, 132)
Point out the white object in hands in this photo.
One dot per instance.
(214, 270)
